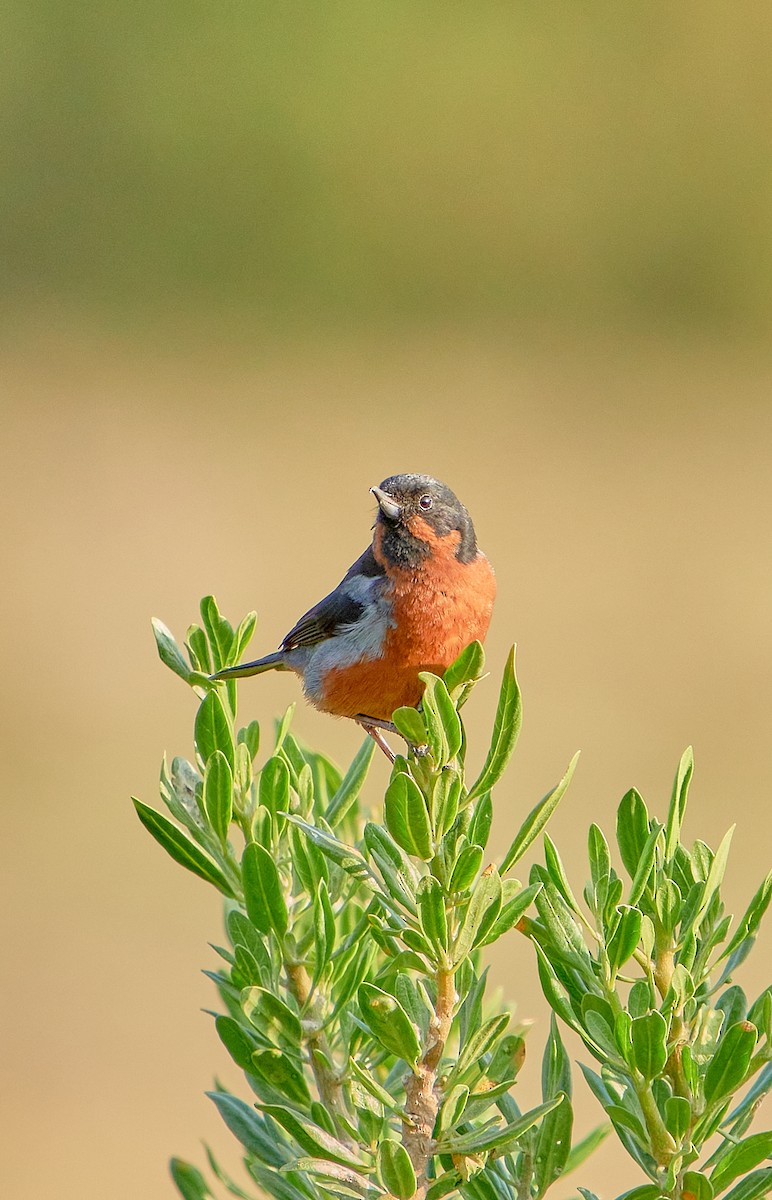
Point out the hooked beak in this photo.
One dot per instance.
(387, 504)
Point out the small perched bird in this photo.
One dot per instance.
(417, 596)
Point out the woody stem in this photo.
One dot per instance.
(422, 1094)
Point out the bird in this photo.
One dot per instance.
(420, 593)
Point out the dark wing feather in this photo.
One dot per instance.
(339, 608)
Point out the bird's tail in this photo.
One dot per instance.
(271, 662)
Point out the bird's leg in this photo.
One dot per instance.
(374, 726)
(375, 731)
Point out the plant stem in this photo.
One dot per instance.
(662, 1143)
(422, 1095)
(526, 1175)
(327, 1082)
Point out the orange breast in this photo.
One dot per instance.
(438, 609)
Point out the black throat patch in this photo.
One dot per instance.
(401, 548)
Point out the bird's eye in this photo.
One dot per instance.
(425, 503)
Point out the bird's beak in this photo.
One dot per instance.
(387, 504)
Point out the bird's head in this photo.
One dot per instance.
(417, 510)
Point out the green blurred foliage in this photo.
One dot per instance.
(372, 161)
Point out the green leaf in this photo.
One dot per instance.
(242, 774)
(438, 706)
(347, 983)
(649, 1037)
(479, 1043)
(243, 636)
(411, 724)
(389, 1023)
(277, 1186)
(553, 1146)
(171, 656)
(452, 1109)
(600, 859)
(263, 892)
(431, 909)
(482, 819)
(505, 1063)
(250, 736)
(351, 785)
(557, 874)
(324, 929)
(563, 931)
(553, 1141)
(465, 868)
(219, 631)
(395, 1169)
(467, 668)
(198, 649)
(213, 729)
(279, 1071)
(394, 865)
(646, 1191)
(179, 846)
(435, 729)
(740, 1159)
(272, 1018)
(274, 786)
(640, 1001)
(482, 910)
(645, 865)
(729, 1065)
(715, 876)
(510, 914)
(448, 1183)
(678, 1116)
(341, 854)
(678, 803)
(333, 1178)
(760, 1013)
(414, 999)
(668, 903)
(251, 1129)
(371, 1085)
(406, 817)
(316, 1142)
(753, 1187)
(336, 1180)
(506, 727)
(751, 918)
(741, 1116)
(283, 726)
(625, 937)
(218, 795)
(496, 1137)
(554, 990)
(236, 1041)
(447, 794)
(695, 1184)
(189, 1181)
(537, 819)
(632, 829)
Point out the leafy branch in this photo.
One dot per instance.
(352, 989)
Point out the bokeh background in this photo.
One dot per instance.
(254, 259)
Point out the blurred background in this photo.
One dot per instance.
(255, 258)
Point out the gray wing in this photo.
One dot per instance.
(341, 608)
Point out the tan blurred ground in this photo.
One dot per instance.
(621, 488)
